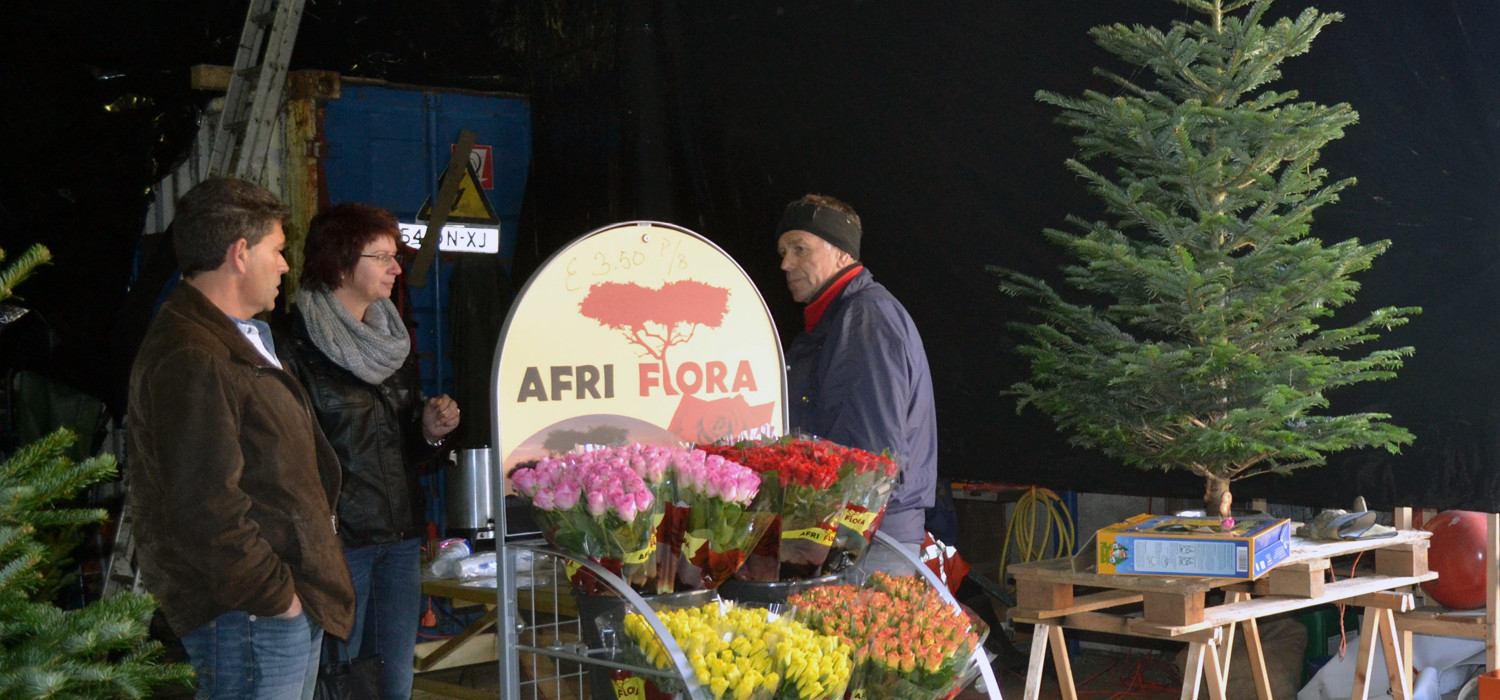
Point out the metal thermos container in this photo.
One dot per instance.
(470, 509)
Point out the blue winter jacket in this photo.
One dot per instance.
(860, 378)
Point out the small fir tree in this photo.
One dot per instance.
(99, 651)
(1202, 344)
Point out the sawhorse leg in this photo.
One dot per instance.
(1225, 652)
(1380, 622)
(1043, 636)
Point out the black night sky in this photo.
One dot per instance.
(921, 115)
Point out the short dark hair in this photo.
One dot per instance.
(337, 236)
(217, 212)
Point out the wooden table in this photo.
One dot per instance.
(1173, 608)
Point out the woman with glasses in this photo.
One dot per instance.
(347, 343)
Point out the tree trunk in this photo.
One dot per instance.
(1216, 497)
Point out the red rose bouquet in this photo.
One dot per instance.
(799, 483)
(596, 506)
(867, 480)
(908, 643)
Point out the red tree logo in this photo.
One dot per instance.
(656, 319)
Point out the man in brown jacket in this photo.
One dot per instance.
(231, 481)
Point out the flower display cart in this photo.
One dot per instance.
(543, 652)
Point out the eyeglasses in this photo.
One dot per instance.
(381, 259)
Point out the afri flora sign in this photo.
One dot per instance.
(638, 332)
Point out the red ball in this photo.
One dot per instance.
(1456, 552)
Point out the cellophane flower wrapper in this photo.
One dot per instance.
(593, 506)
(653, 463)
(908, 643)
(799, 482)
(745, 653)
(868, 480)
(722, 523)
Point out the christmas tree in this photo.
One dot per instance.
(1201, 337)
(99, 651)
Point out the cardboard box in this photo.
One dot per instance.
(1164, 545)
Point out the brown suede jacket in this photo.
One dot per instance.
(231, 482)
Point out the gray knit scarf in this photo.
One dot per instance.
(373, 349)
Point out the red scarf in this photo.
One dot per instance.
(814, 311)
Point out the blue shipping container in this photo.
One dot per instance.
(388, 144)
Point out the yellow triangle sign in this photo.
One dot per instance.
(472, 207)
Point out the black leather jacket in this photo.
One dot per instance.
(376, 431)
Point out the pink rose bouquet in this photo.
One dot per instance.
(595, 506)
(721, 527)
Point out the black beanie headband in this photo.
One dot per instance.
(828, 224)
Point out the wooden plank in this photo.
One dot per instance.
(1336, 591)
(1257, 656)
(1192, 672)
(1401, 518)
(1038, 657)
(458, 641)
(1119, 624)
(1305, 550)
(1395, 663)
(1470, 627)
(1174, 609)
(450, 690)
(1365, 661)
(1061, 571)
(1085, 603)
(1216, 674)
(1042, 596)
(1406, 653)
(480, 649)
(1062, 663)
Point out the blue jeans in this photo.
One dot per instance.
(239, 655)
(387, 610)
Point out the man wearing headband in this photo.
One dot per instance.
(857, 375)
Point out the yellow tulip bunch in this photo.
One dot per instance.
(748, 653)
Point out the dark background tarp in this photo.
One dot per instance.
(921, 115)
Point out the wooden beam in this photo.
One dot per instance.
(1402, 560)
(1174, 609)
(1300, 580)
(1085, 603)
(1399, 601)
(1492, 592)
(1042, 597)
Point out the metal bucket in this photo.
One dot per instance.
(468, 490)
